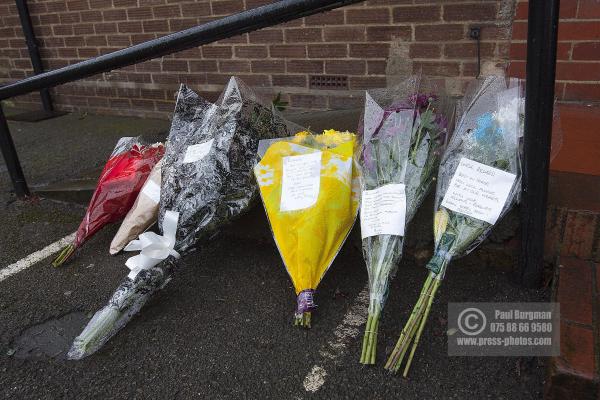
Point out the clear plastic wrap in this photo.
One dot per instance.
(310, 189)
(488, 133)
(478, 182)
(207, 182)
(404, 132)
(119, 184)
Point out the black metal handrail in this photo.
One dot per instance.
(236, 24)
(541, 63)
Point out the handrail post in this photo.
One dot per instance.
(539, 103)
(34, 53)
(12, 160)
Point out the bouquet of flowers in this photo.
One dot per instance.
(478, 182)
(309, 187)
(142, 215)
(118, 186)
(404, 132)
(207, 181)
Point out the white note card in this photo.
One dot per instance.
(478, 190)
(301, 181)
(383, 211)
(197, 152)
(152, 190)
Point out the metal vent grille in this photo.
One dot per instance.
(331, 82)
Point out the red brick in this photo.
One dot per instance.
(256, 80)
(555, 221)
(425, 50)
(62, 30)
(77, 5)
(521, 11)
(436, 68)
(327, 51)
(519, 31)
(586, 51)
(130, 27)
(367, 82)
(290, 80)
(95, 41)
(369, 50)
(344, 34)
(368, 16)
(217, 51)
(335, 17)
(287, 51)
(308, 101)
(420, 13)
(575, 30)
(582, 91)
(69, 18)
(376, 67)
(518, 51)
(588, 9)
(234, 66)
(226, 7)
(345, 103)
(388, 33)
(305, 66)
(106, 27)
(156, 25)
(175, 66)
(575, 290)
(203, 66)
(578, 71)
(195, 9)
(266, 36)
(179, 24)
(468, 50)
(345, 67)
(577, 348)
(439, 32)
(578, 238)
(164, 12)
(268, 66)
(251, 51)
(256, 3)
(303, 35)
(114, 15)
(568, 9)
(470, 12)
(142, 13)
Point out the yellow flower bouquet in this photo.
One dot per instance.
(310, 189)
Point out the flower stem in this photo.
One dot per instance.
(64, 255)
(436, 285)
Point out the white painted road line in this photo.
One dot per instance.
(35, 257)
(346, 331)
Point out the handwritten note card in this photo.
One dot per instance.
(383, 211)
(478, 190)
(197, 152)
(301, 181)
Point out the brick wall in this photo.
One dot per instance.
(578, 52)
(373, 44)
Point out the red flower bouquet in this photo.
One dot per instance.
(120, 182)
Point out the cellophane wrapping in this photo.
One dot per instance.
(119, 184)
(404, 131)
(489, 133)
(309, 236)
(207, 178)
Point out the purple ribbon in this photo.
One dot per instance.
(305, 301)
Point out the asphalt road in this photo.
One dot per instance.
(222, 328)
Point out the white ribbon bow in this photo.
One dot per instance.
(153, 248)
